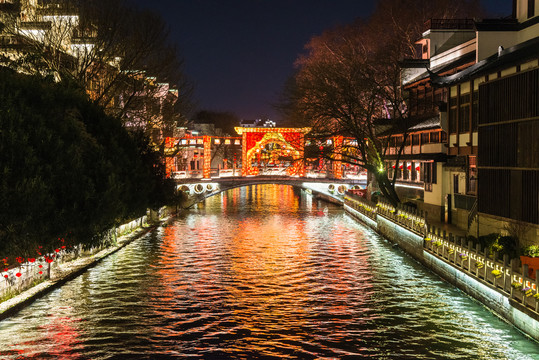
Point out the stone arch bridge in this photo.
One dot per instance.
(329, 189)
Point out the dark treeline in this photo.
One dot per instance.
(67, 170)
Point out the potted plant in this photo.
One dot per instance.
(497, 273)
(530, 257)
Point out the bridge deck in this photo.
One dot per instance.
(268, 179)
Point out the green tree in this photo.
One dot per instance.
(67, 169)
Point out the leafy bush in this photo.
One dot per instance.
(68, 170)
(509, 246)
(487, 241)
(532, 251)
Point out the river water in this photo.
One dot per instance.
(263, 272)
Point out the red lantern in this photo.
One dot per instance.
(41, 272)
(417, 168)
(18, 274)
(31, 260)
(6, 276)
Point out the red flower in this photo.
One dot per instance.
(63, 246)
(6, 276)
(31, 260)
(18, 274)
(57, 250)
(49, 260)
(19, 259)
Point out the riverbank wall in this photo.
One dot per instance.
(36, 281)
(502, 285)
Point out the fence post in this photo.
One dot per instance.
(512, 276)
(525, 270)
(537, 290)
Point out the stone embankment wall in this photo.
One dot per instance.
(33, 271)
(501, 285)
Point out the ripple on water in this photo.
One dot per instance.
(260, 274)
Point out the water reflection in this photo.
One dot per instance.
(260, 272)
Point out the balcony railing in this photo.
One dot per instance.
(449, 24)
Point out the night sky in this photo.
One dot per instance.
(239, 53)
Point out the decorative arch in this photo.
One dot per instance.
(255, 139)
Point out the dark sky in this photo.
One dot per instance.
(239, 53)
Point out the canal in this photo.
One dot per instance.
(263, 272)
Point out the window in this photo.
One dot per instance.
(453, 115)
(425, 138)
(464, 113)
(471, 175)
(429, 175)
(475, 110)
(415, 139)
(435, 137)
(531, 8)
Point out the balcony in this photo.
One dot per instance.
(36, 26)
(449, 24)
(432, 148)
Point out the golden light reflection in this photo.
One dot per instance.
(260, 268)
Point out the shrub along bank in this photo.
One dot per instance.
(68, 172)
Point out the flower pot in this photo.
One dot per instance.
(533, 264)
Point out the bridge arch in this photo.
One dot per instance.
(331, 190)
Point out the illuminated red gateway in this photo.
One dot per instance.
(291, 142)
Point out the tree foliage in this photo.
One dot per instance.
(67, 169)
(121, 55)
(349, 83)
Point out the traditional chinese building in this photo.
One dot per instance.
(499, 96)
